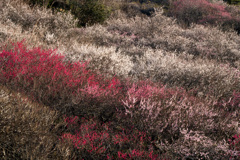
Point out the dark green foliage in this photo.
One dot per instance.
(46, 3)
(88, 12)
(234, 2)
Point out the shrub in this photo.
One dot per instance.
(99, 141)
(45, 3)
(89, 12)
(163, 113)
(29, 130)
(131, 9)
(235, 22)
(199, 11)
(234, 2)
(234, 145)
(232, 104)
(47, 78)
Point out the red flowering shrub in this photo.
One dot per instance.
(199, 11)
(152, 108)
(47, 78)
(232, 104)
(94, 140)
(234, 144)
(235, 100)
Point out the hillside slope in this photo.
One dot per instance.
(134, 87)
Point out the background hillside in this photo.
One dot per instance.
(114, 79)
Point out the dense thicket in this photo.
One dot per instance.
(147, 83)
